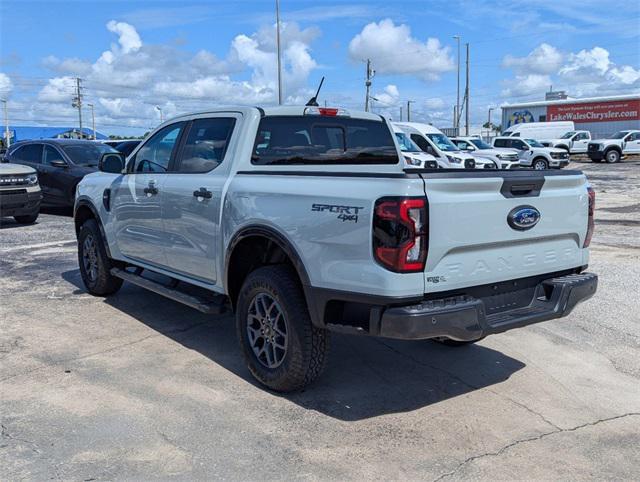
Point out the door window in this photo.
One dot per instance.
(518, 144)
(422, 142)
(581, 137)
(156, 153)
(29, 153)
(206, 144)
(500, 143)
(51, 154)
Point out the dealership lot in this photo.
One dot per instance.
(137, 386)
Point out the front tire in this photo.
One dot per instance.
(540, 164)
(95, 265)
(281, 347)
(26, 219)
(612, 156)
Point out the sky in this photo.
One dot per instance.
(182, 56)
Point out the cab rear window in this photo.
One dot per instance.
(296, 140)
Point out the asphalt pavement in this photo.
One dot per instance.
(136, 386)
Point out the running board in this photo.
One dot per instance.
(205, 305)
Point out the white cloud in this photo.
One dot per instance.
(58, 89)
(434, 103)
(393, 50)
(544, 59)
(524, 85)
(586, 63)
(6, 85)
(127, 36)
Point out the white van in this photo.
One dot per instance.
(434, 142)
(540, 130)
(413, 155)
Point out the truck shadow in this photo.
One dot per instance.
(365, 377)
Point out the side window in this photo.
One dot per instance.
(29, 153)
(206, 144)
(421, 141)
(500, 143)
(518, 144)
(51, 154)
(155, 154)
(515, 134)
(634, 137)
(462, 145)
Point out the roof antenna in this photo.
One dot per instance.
(313, 102)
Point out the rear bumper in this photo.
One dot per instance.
(459, 316)
(465, 318)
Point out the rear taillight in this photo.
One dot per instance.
(326, 111)
(590, 223)
(400, 233)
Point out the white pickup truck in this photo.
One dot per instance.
(533, 154)
(615, 147)
(306, 220)
(574, 142)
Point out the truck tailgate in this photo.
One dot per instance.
(472, 242)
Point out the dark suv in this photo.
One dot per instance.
(61, 164)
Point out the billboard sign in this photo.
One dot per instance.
(616, 110)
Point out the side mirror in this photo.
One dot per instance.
(112, 162)
(59, 163)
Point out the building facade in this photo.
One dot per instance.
(602, 116)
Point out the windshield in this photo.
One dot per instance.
(290, 140)
(86, 154)
(406, 144)
(568, 135)
(442, 142)
(480, 144)
(534, 143)
(619, 135)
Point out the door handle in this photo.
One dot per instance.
(203, 193)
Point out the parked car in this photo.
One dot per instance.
(412, 154)
(574, 142)
(503, 158)
(434, 142)
(306, 220)
(615, 147)
(127, 147)
(540, 130)
(60, 163)
(533, 154)
(20, 193)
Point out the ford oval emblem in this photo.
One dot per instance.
(522, 218)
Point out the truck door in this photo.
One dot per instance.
(579, 143)
(136, 198)
(192, 197)
(632, 143)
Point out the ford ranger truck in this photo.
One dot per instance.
(20, 193)
(615, 147)
(304, 220)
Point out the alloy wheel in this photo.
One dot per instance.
(267, 330)
(90, 257)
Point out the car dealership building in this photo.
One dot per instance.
(602, 116)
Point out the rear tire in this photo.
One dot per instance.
(612, 156)
(26, 219)
(95, 265)
(282, 348)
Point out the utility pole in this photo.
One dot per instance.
(409, 102)
(77, 102)
(7, 139)
(93, 121)
(279, 52)
(466, 96)
(370, 74)
(456, 112)
(400, 113)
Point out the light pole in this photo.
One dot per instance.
(93, 121)
(160, 110)
(7, 139)
(489, 122)
(279, 52)
(456, 121)
(409, 102)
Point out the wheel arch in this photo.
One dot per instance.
(266, 245)
(82, 212)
